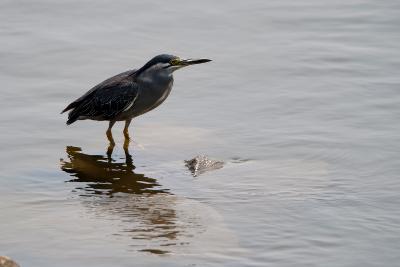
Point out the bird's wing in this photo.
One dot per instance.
(109, 82)
(106, 101)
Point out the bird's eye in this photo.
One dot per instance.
(175, 61)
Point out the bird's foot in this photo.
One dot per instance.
(110, 150)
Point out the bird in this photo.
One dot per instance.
(129, 94)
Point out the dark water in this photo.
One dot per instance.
(301, 101)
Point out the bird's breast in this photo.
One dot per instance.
(164, 94)
(150, 97)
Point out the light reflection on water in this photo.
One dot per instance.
(108, 187)
(306, 89)
(106, 176)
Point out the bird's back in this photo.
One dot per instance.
(122, 97)
(106, 83)
(105, 100)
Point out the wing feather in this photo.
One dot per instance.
(106, 100)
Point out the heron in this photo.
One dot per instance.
(129, 94)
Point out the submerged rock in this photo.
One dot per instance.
(201, 164)
(7, 262)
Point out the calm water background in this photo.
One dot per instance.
(301, 101)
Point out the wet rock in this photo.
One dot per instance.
(201, 164)
(7, 262)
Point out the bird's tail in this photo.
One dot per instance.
(72, 116)
(70, 106)
(73, 109)
(70, 121)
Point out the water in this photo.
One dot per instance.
(301, 101)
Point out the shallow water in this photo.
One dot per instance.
(301, 101)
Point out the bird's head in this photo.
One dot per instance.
(169, 63)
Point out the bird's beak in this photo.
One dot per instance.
(187, 62)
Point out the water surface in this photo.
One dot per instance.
(301, 101)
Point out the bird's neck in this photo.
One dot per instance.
(160, 77)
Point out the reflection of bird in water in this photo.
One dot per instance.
(104, 176)
(146, 211)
